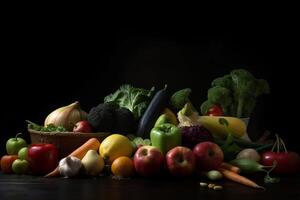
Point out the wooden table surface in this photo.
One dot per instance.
(32, 187)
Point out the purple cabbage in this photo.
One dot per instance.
(192, 135)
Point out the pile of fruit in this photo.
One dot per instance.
(158, 133)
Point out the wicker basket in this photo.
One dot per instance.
(66, 142)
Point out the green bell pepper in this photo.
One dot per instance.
(165, 137)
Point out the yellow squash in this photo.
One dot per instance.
(236, 126)
(114, 146)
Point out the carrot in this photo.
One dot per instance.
(230, 167)
(92, 143)
(238, 178)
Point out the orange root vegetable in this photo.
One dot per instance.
(239, 179)
(91, 144)
(230, 167)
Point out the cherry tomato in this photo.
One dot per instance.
(215, 110)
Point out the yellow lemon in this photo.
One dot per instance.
(115, 146)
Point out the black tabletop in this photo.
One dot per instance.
(105, 187)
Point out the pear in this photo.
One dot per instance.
(93, 163)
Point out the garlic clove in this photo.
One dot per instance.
(69, 166)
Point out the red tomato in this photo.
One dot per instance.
(287, 162)
(215, 110)
(6, 163)
(43, 158)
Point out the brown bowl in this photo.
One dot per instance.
(66, 142)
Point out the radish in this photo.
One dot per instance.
(288, 162)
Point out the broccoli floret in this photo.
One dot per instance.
(102, 117)
(246, 86)
(238, 95)
(124, 121)
(220, 96)
(110, 118)
(224, 81)
(180, 98)
(205, 106)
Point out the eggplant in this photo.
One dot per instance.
(153, 111)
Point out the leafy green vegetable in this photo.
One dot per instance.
(236, 93)
(134, 99)
(48, 128)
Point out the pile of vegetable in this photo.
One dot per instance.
(151, 130)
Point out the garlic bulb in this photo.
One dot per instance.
(69, 166)
(66, 116)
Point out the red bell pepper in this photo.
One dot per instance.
(43, 158)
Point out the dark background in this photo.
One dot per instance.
(49, 64)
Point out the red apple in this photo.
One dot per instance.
(82, 127)
(208, 156)
(42, 157)
(148, 161)
(180, 161)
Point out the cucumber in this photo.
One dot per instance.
(153, 111)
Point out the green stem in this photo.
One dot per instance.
(16, 138)
(258, 149)
(273, 166)
(240, 108)
(30, 122)
(275, 144)
(284, 147)
(278, 143)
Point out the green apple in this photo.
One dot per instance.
(13, 145)
(23, 152)
(20, 166)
